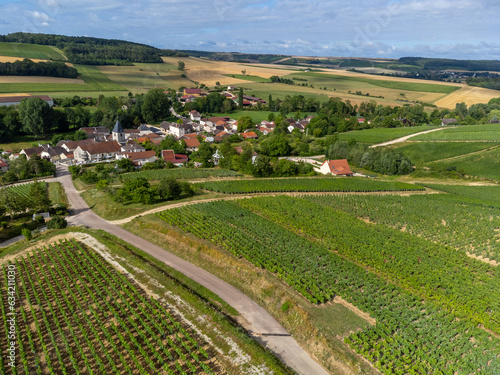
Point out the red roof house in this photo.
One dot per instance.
(338, 167)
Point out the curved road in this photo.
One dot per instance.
(405, 138)
(261, 325)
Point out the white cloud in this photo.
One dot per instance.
(39, 18)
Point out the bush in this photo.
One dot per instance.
(27, 233)
(57, 222)
(4, 224)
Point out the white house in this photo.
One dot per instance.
(97, 151)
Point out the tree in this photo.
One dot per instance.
(57, 222)
(240, 98)
(262, 166)
(156, 105)
(277, 145)
(205, 153)
(36, 116)
(244, 123)
(39, 197)
(244, 72)
(169, 188)
(181, 65)
(270, 104)
(126, 164)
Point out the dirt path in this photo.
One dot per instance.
(243, 196)
(257, 321)
(405, 138)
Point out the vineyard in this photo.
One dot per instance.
(305, 185)
(21, 190)
(77, 315)
(468, 221)
(179, 173)
(417, 330)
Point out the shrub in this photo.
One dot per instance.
(26, 233)
(57, 222)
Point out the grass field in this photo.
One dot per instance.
(486, 132)
(430, 151)
(24, 141)
(249, 78)
(35, 51)
(379, 135)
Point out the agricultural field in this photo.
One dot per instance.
(93, 78)
(423, 152)
(486, 132)
(79, 313)
(140, 77)
(379, 135)
(484, 164)
(466, 219)
(23, 190)
(179, 173)
(470, 95)
(338, 184)
(417, 330)
(249, 78)
(31, 51)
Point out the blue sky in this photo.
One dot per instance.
(360, 28)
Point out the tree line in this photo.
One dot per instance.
(27, 67)
(91, 51)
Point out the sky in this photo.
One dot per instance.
(461, 29)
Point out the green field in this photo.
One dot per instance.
(466, 219)
(430, 151)
(94, 81)
(487, 132)
(379, 135)
(319, 184)
(485, 164)
(30, 51)
(344, 82)
(414, 288)
(249, 78)
(179, 173)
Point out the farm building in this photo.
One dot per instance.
(16, 100)
(338, 167)
(4, 167)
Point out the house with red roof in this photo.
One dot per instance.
(4, 167)
(193, 92)
(339, 167)
(192, 144)
(177, 159)
(249, 135)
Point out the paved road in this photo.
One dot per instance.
(258, 321)
(404, 139)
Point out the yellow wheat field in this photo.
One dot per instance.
(4, 59)
(469, 95)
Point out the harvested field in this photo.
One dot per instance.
(468, 94)
(4, 59)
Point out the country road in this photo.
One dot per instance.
(261, 325)
(405, 138)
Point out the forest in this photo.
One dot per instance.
(91, 51)
(27, 67)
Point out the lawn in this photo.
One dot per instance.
(249, 78)
(431, 151)
(30, 51)
(379, 135)
(487, 132)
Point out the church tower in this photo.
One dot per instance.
(118, 133)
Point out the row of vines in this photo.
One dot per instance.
(77, 315)
(180, 173)
(305, 184)
(412, 335)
